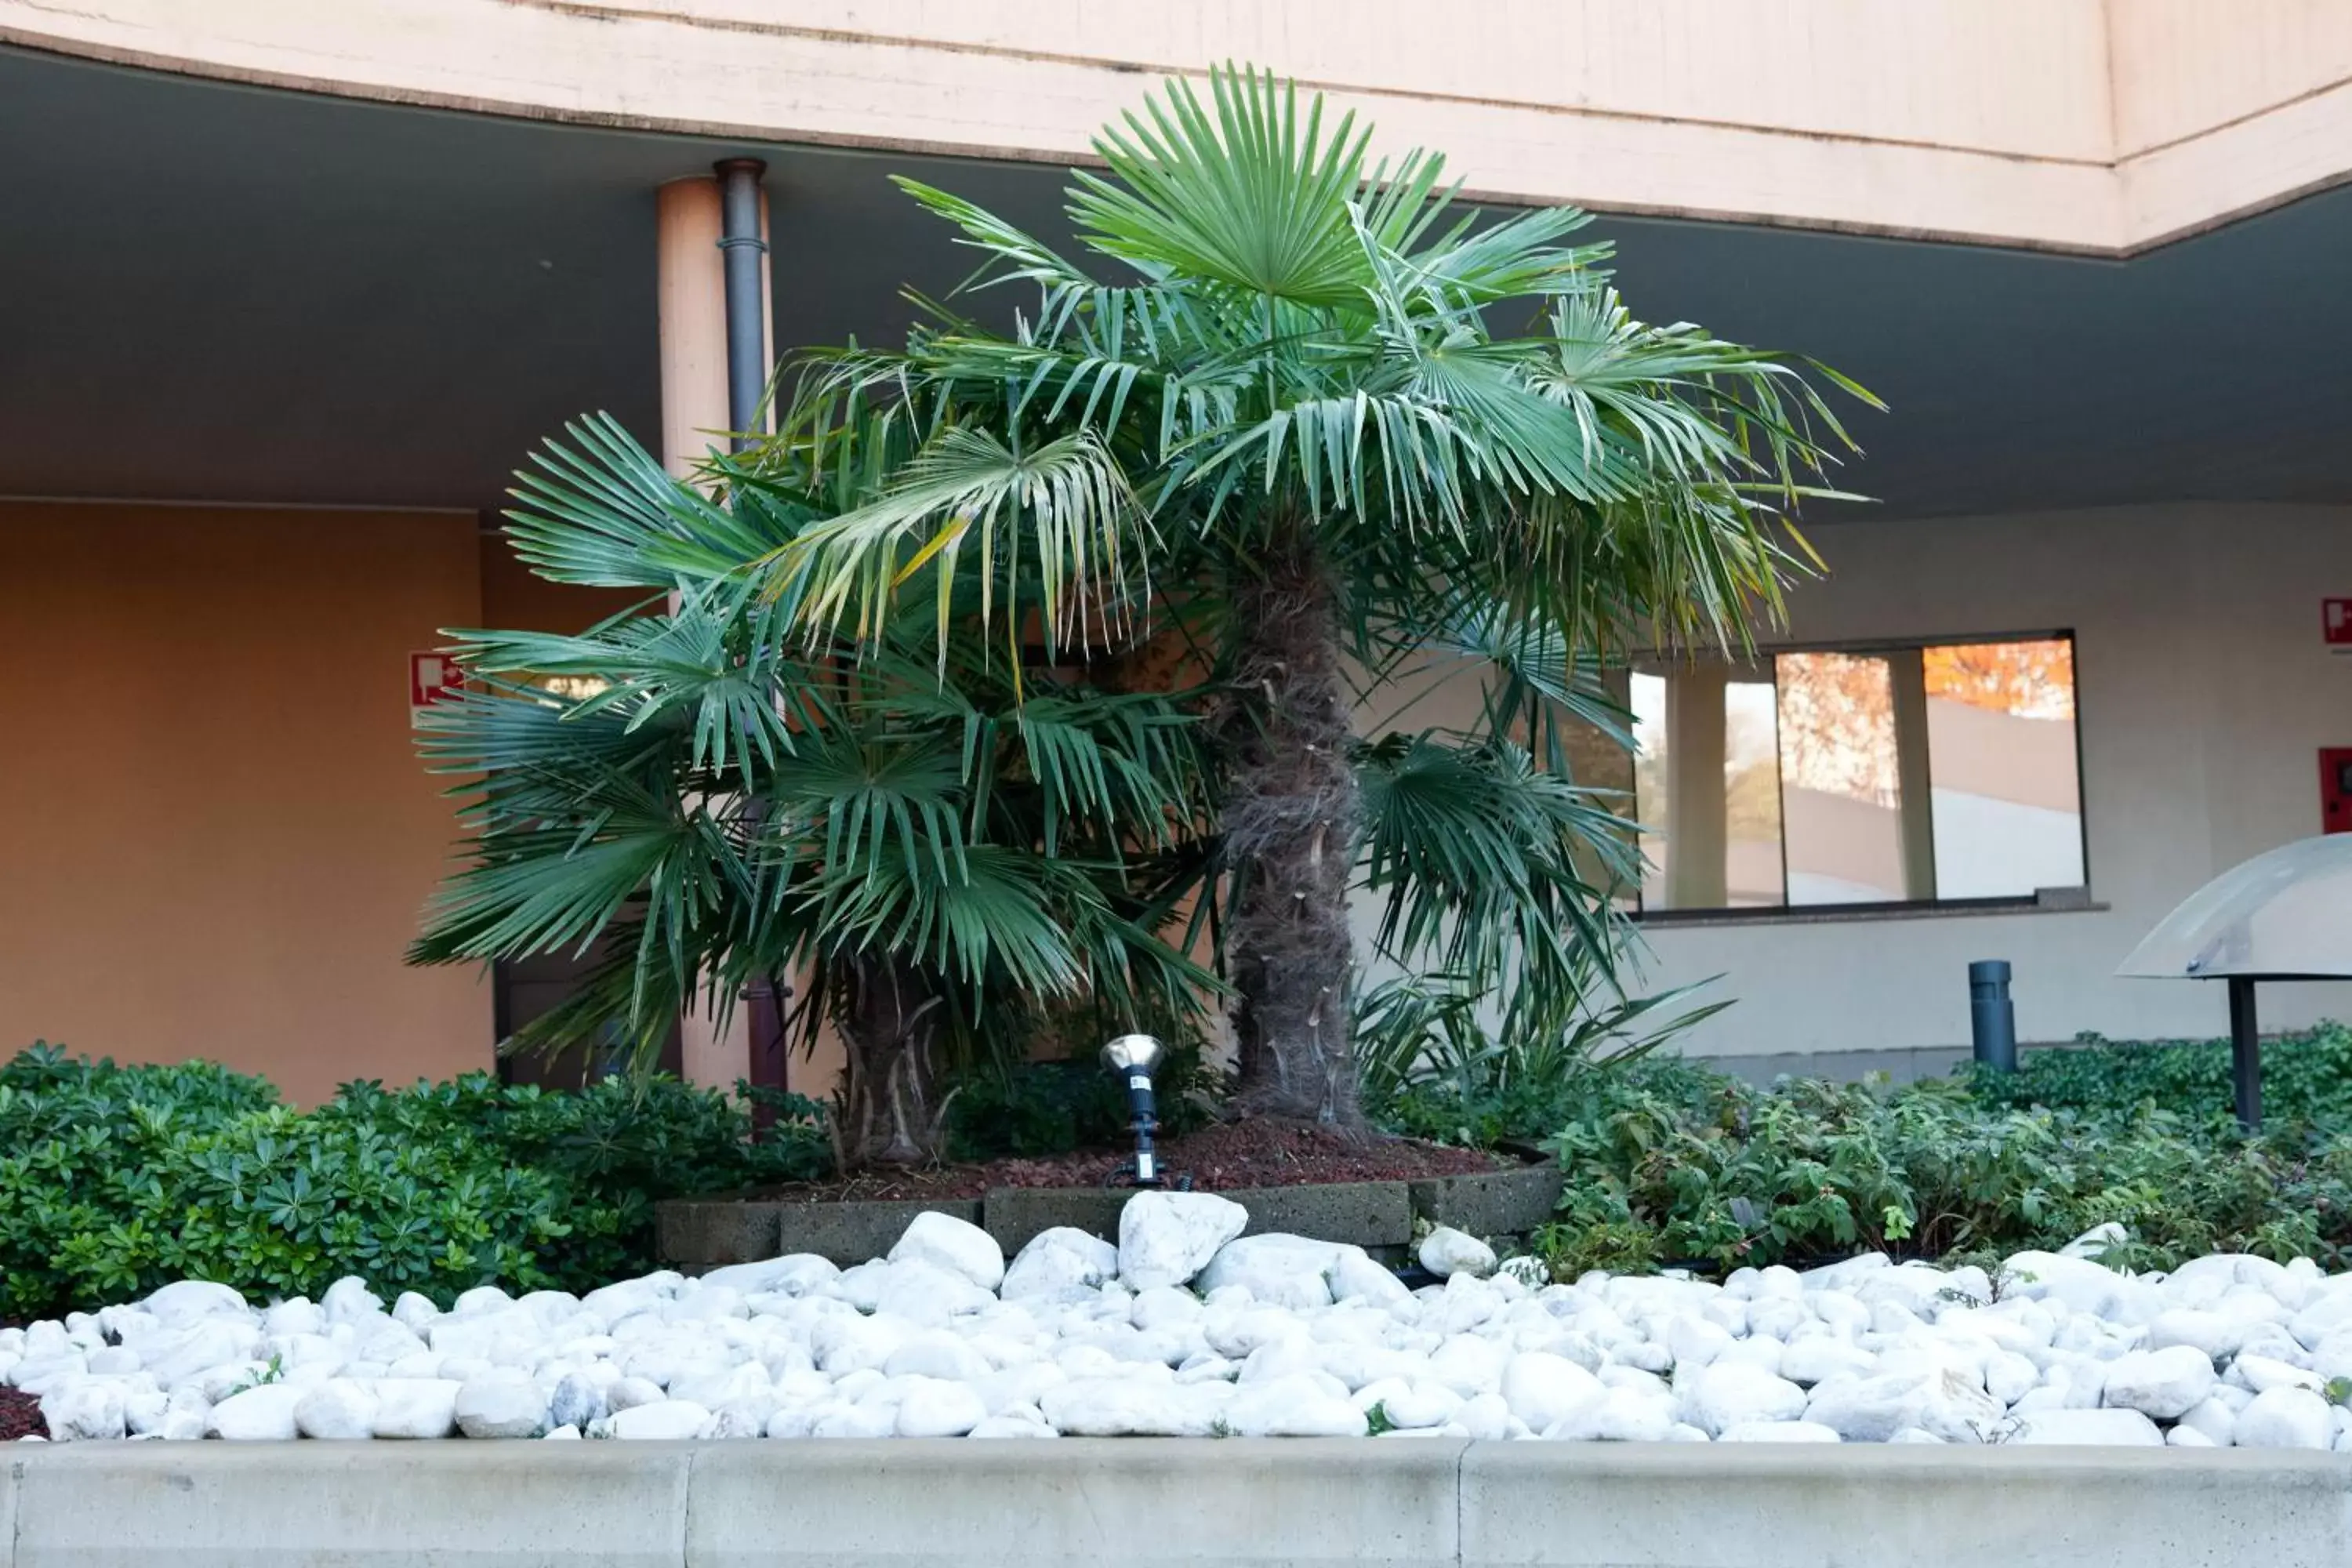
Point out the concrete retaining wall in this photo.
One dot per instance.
(1235, 1504)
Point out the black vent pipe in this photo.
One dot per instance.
(747, 331)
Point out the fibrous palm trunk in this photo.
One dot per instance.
(887, 1111)
(1292, 817)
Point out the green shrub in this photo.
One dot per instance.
(115, 1180)
(2306, 1080)
(1669, 1164)
(1431, 1067)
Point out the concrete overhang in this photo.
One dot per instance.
(210, 292)
(2102, 127)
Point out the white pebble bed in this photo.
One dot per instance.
(1183, 1331)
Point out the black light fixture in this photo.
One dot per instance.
(1132, 1058)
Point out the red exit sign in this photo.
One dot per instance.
(2336, 622)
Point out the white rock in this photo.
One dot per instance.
(795, 1273)
(1720, 1397)
(1818, 1359)
(89, 1411)
(2165, 1383)
(855, 1421)
(2098, 1239)
(1695, 1342)
(955, 1244)
(2113, 1428)
(263, 1414)
(1059, 1262)
(627, 1392)
(1291, 1407)
(1010, 1427)
(1618, 1415)
(2216, 1335)
(1469, 1365)
(501, 1404)
(1355, 1278)
(1944, 1402)
(936, 1354)
(2262, 1374)
(1278, 1270)
(935, 1408)
(668, 1420)
(1446, 1252)
(925, 1293)
(186, 1300)
(1422, 1404)
(416, 1407)
(2217, 1420)
(1130, 1406)
(1166, 1238)
(2286, 1418)
(199, 1344)
(578, 1401)
(348, 1300)
(2081, 1285)
(2011, 1376)
(1778, 1432)
(1542, 1390)
(340, 1409)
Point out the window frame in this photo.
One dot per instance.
(1785, 913)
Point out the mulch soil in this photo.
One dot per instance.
(20, 1416)
(1258, 1151)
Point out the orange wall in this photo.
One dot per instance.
(214, 836)
(515, 598)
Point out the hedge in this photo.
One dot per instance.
(115, 1180)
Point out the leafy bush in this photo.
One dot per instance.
(115, 1180)
(2306, 1080)
(1432, 1067)
(1670, 1164)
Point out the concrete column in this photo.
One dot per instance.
(1907, 678)
(691, 295)
(1697, 827)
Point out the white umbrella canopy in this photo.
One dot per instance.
(2282, 915)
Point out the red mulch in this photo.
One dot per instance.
(20, 1416)
(1259, 1151)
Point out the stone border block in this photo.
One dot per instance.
(1368, 1214)
(1609, 1505)
(854, 1232)
(1136, 1502)
(1499, 1203)
(705, 1233)
(354, 1505)
(1014, 1215)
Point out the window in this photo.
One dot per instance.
(1943, 774)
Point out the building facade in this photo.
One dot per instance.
(286, 293)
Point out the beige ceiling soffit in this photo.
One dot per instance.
(653, 66)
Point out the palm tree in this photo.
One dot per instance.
(930, 845)
(1335, 427)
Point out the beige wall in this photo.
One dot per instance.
(2203, 695)
(2103, 126)
(215, 837)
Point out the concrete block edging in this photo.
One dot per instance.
(696, 1233)
(1166, 1504)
